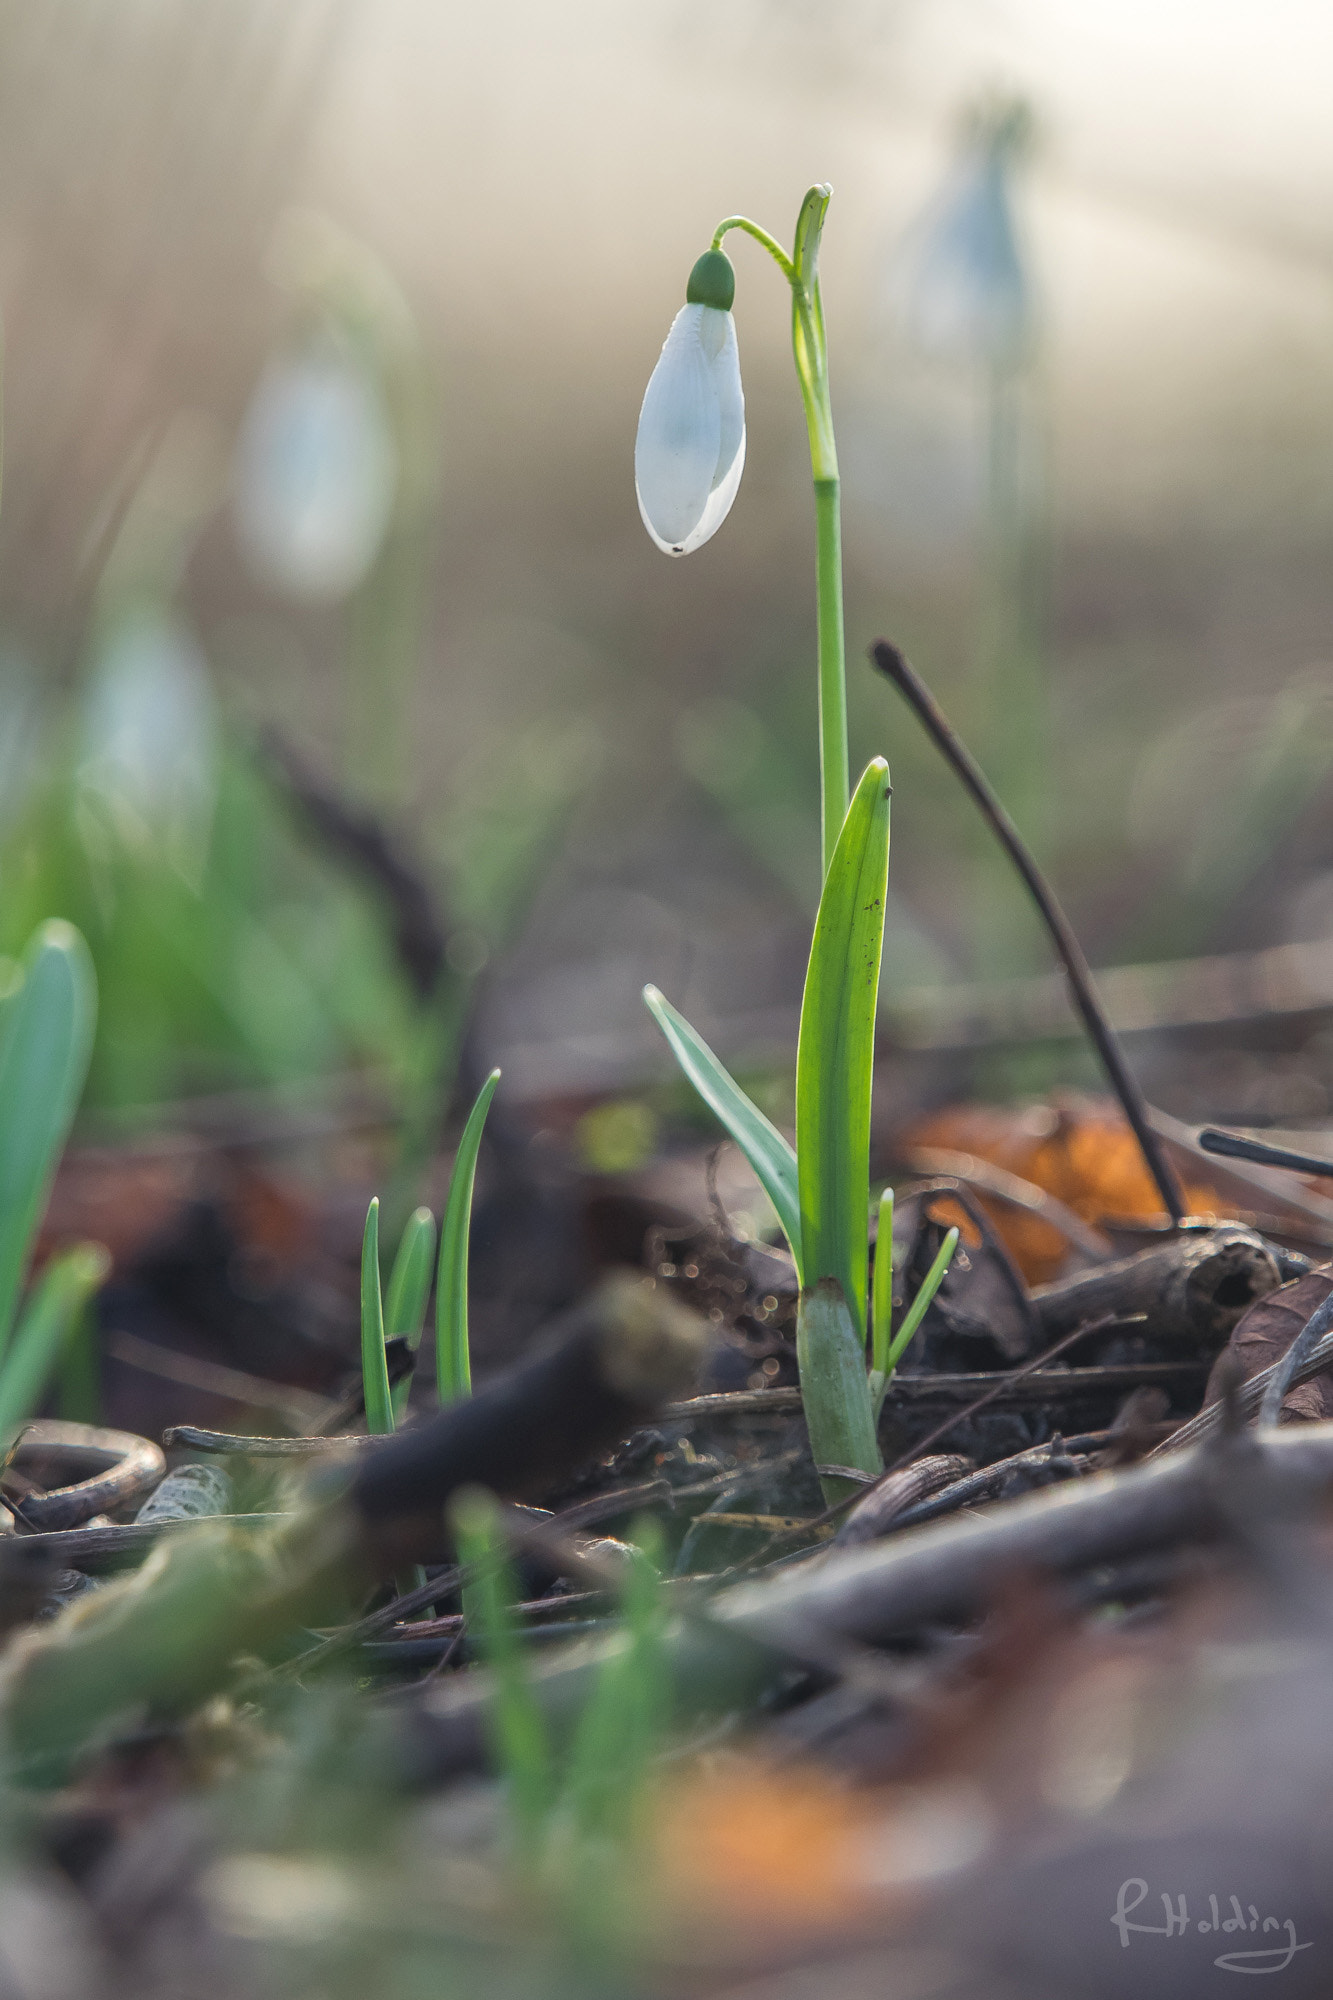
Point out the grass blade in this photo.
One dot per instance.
(627, 1712)
(519, 1740)
(46, 1038)
(409, 1280)
(409, 1288)
(453, 1361)
(916, 1312)
(374, 1368)
(773, 1160)
(882, 1373)
(881, 1308)
(835, 1054)
(50, 1316)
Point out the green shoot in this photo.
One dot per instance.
(622, 1723)
(773, 1160)
(881, 1376)
(881, 1305)
(520, 1744)
(409, 1289)
(374, 1368)
(51, 1315)
(46, 1035)
(453, 1361)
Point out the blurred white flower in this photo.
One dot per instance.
(958, 286)
(316, 474)
(149, 730)
(690, 449)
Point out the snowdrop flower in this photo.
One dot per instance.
(316, 474)
(961, 290)
(149, 730)
(691, 444)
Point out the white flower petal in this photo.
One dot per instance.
(676, 451)
(726, 371)
(717, 509)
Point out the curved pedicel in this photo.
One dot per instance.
(116, 1466)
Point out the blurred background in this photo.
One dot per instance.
(344, 702)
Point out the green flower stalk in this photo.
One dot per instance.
(691, 450)
(688, 459)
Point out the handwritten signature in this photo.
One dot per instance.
(1262, 1958)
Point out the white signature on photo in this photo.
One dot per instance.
(1239, 1922)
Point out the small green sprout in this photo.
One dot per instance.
(453, 1361)
(889, 1350)
(46, 1036)
(588, 1794)
(409, 1289)
(374, 1367)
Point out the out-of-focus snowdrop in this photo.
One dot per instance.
(20, 729)
(150, 734)
(690, 449)
(316, 472)
(958, 287)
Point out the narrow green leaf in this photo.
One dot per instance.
(409, 1288)
(916, 1312)
(453, 1360)
(763, 1145)
(519, 1740)
(881, 1310)
(46, 1036)
(47, 1322)
(831, 1357)
(626, 1715)
(409, 1280)
(835, 1054)
(882, 1373)
(374, 1369)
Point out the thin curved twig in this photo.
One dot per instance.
(1078, 973)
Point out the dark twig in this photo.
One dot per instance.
(1078, 973)
(999, 1250)
(986, 1178)
(1232, 1146)
(362, 843)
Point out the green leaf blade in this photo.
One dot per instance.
(48, 1320)
(453, 1361)
(770, 1155)
(835, 1054)
(374, 1367)
(409, 1280)
(409, 1289)
(45, 1044)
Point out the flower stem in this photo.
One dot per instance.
(832, 665)
(811, 355)
(770, 243)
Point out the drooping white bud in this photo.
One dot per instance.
(690, 449)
